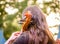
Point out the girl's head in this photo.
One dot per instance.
(35, 33)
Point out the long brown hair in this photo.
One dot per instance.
(37, 31)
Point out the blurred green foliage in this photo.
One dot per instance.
(9, 22)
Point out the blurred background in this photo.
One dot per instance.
(11, 10)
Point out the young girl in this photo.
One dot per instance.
(34, 30)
